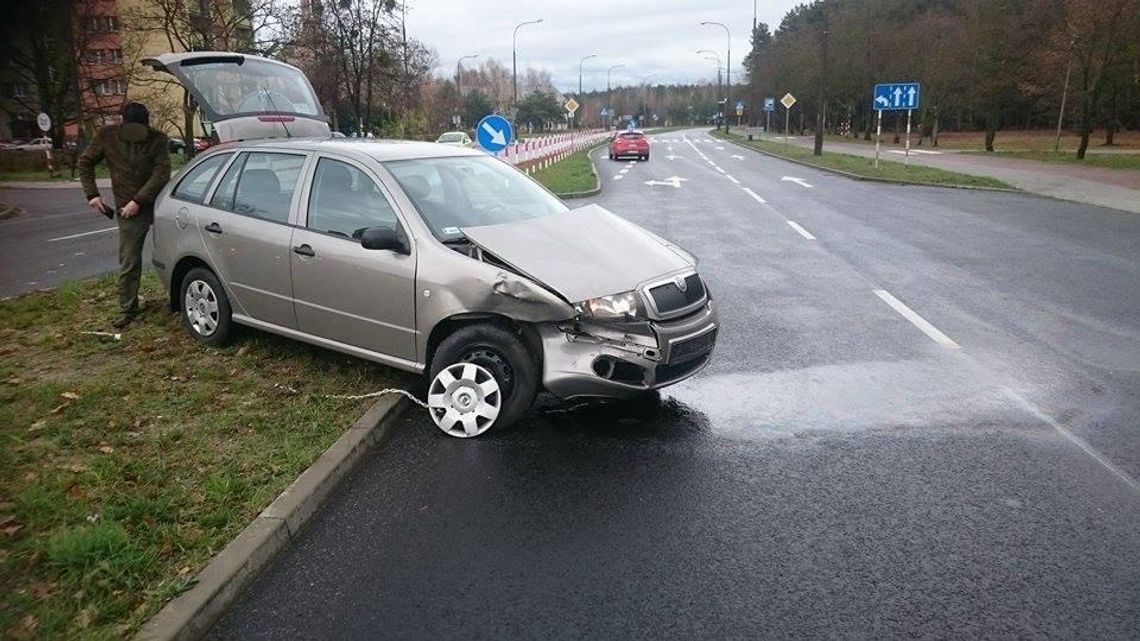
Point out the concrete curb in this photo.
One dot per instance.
(190, 615)
(873, 179)
(597, 180)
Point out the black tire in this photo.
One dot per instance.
(645, 157)
(500, 352)
(222, 318)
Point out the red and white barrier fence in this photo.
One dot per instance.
(541, 152)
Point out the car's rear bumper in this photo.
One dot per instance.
(595, 360)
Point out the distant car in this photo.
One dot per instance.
(201, 144)
(630, 143)
(337, 134)
(36, 144)
(455, 139)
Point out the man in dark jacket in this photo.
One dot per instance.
(139, 163)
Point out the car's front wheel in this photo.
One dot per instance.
(481, 375)
(205, 308)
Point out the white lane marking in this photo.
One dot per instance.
(738, 157)
(86, 233)
(754, 195)
(709, 161)
(718, 169)
(803, 232)
(719, 148)
(624, 170)
(1073, 438)
(618, 177)
(672, 157)
(729, 176)
(902, 152)
(799, 181)
(916, 320)
(631, 163)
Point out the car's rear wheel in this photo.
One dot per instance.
(645, 157)
(206, 310)
(481, 375)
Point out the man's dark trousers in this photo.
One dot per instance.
(132, 237)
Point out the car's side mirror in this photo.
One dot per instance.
(384, 237)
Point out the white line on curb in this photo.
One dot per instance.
(754, 195)
(916, 320)
(803, 232)
(86, 233)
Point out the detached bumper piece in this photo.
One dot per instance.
(589, 359)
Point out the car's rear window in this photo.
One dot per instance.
(631, 136)
(451, 138)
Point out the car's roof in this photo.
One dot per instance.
(381, 150)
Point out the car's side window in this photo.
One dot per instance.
(223, 197)
(345, 201)
(266, 184)
(194, 184)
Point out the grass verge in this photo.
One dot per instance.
(575, 174)
(126, 465)
(861, 166)
(1122, 161)
(63, 174)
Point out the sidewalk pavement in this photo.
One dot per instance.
(1114, 188)
(102, 183)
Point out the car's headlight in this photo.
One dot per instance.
(623, 305)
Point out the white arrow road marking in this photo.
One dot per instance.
(754, 195)
(803, 232)
(86, 233)
(799, 181)
(738, 157)
(672, 181)
(719, 148)
(497, 136)
(670, 147)
(916, 320)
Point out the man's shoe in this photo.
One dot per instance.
(122, 321)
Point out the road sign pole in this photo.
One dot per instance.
(787, 123)
(878, 138)
(906, 160)
(767, 122)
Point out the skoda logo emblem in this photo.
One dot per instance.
(680, 283)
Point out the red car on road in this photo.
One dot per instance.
(629, 143)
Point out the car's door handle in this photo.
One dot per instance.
(304, 250)
(213, 228)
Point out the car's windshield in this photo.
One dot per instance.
(453, 137)
(253, 86)
(470, 191)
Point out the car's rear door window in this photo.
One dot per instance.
(196, 182)
(344, 201)
(264, 186)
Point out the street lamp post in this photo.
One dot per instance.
(459, 80)
(514, 63)
(644, 100)
(716, 57)
(727, 69)
(581, 98)
(609, 102)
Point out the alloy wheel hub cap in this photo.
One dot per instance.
(464, 400)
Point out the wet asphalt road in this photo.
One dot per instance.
(836, 472)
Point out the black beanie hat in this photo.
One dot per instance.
(136, 112)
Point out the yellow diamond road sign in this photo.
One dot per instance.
(571, 106)
(788, 100)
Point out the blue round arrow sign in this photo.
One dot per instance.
(494, 133)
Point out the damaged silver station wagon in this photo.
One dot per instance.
(425, 257)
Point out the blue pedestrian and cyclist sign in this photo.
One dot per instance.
(896, 96)
(494, 133)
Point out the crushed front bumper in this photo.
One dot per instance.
(590, 359)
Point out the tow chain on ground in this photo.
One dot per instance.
(356, 397)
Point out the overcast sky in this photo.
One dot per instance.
(647, 36)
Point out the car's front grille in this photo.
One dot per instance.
(668, 297)
(673, 371)
(691, 348)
